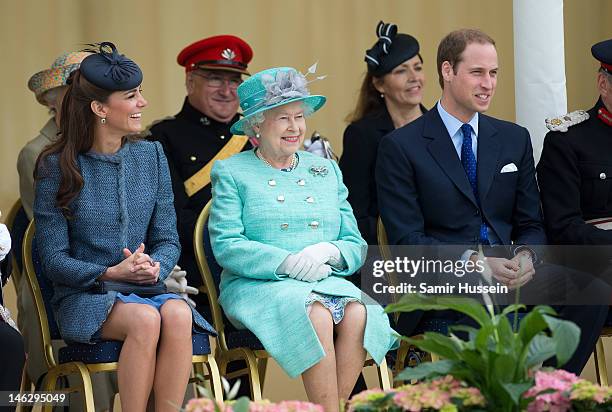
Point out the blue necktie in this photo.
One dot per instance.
(468, 160)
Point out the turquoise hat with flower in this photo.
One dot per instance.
(275, 87)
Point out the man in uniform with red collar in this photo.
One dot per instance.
(575, 170)
(200, 133)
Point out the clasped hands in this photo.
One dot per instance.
(311, 264)
(514, 272)
(136, 267)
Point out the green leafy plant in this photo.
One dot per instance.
(498, 356)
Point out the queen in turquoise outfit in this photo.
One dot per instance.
(286, 237)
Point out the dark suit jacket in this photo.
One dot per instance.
(358, 166)
(426, 198)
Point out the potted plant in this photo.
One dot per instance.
(498, 357)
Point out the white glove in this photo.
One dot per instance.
(303, 268)
(176, 282)
(320, 273)
(5, 241)
(324, 252)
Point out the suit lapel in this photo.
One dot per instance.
(488, 153)
(443, 151)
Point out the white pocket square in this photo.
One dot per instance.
(510, 167)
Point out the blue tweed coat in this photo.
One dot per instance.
(259, 216)
(126, 200)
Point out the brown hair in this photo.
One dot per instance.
(76, 135)
(453, 45)
(369, 100)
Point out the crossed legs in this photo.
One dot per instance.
(332, 379)
(156, 352)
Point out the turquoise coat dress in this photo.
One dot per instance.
(259, 216)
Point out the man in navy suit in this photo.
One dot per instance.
(457, 176)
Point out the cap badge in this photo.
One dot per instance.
(228, 54)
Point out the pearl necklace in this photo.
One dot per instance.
(292, 166)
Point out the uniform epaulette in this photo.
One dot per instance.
(147, 131)
(562, 123)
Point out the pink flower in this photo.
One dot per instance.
(205, 405)
(407, 401)
(297, 406)
(560, 382)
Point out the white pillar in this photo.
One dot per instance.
(539, 66)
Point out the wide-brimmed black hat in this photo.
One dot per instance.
(109, 70)
(391, 49)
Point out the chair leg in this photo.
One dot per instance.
(88, 399)
(383, 375)
(262, 365)
(198, 371)
(49, 385)
(215, 379)
(26, 383)
(79, 369)
(251, 369)
(254, 381)
(400, 360)
(601, 370)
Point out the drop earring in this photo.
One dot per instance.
(103, 120)
(382, 95)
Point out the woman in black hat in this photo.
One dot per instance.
(104, 212)
(390, 97)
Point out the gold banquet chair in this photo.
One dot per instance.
(16, 222)
(437, 325)
(234, 344)
(599, 354)
(83, 360)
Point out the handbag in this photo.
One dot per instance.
(104, 286)
(320, 146)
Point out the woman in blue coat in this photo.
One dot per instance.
(284, 233)
(104, 212)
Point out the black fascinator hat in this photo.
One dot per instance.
(391, 49)
(109, 70)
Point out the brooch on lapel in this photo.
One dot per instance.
(318, 171)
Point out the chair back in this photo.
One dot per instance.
(17, 222)
(210, 271)
(385, 253)
(42, 292)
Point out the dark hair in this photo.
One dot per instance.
(76, 135)
(369, 100)
(453, 45)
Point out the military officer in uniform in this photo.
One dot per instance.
(200, 133)
(575, 170)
